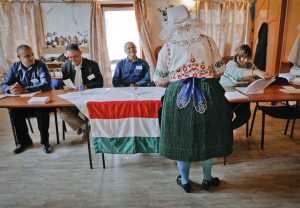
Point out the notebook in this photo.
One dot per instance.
(38, 100)
(256, 87)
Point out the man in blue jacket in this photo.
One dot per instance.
(28, 75)
(131, 71)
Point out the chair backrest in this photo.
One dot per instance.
(56, 83)
(280, 81)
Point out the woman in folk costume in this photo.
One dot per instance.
(195, 120)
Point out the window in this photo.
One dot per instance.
(120, 27)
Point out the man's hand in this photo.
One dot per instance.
(17, 89)
(133, 85)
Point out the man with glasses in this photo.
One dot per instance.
(132, 71)
(82, 72)
(28, 75)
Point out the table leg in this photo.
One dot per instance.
(87, 132)
(88, 141)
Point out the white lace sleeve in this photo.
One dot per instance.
(161, 74)
(218, 64)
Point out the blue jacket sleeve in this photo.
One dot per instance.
(9, 80)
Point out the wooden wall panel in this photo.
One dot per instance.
(290, 34)
(273, 13)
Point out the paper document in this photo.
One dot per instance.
(289, 91)
(8, 95)
(30, 94)
(235, 95)
(256, 87)
(38, 100)
(69, 84)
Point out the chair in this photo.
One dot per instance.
(56, 83)
(28, 120)
(282, 112)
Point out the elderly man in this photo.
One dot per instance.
(131, 71)
(82, 72)
(28, 75)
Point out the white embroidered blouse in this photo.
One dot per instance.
(188, 58)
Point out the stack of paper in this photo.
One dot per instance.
(38, 100)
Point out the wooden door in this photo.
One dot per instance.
(273, 13)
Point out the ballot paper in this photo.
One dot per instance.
(290, 91)
(30, 94)
(38, 100)
(235, 95)
(256, 87)
(69, 84)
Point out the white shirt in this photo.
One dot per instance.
(78, 76)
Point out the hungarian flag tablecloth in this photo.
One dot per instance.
(125, 127)
(123, 120)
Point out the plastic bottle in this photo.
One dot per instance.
(81, 91)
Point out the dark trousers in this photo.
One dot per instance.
(242, 114)
(18, 116)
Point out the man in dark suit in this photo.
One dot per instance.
(28, 75)
(82, 72)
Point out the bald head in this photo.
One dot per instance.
(130, 50)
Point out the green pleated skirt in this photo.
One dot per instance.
(187, 135)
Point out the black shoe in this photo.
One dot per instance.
(186, 187)
(207, 184)
(47, 148)
(21, 147)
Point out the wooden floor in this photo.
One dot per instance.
(251, 178)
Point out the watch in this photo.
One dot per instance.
(26, 89)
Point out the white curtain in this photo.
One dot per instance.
(142, 21)
(17, 26)
(97, 42)
(226, 22)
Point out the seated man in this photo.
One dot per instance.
(131, 71)
(28, 75)
(82, 72)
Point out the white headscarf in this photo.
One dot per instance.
(183, 25)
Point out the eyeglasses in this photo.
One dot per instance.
(73, 57)
(28, 56)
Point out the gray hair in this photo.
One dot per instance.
(22, 47)
(128, 42)
(72, 47)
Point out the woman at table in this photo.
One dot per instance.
(195, 123)
(238, 73)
